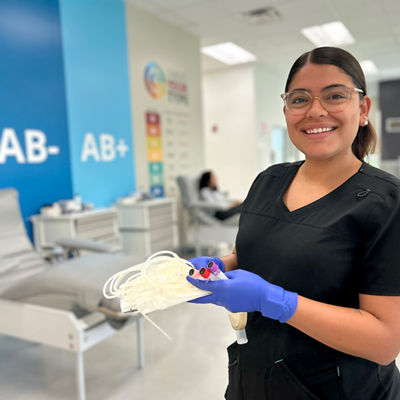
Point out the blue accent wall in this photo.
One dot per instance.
(98, 98)
(65, 112)
(32, 97)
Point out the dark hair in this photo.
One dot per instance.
(204, 179)
(365, 140)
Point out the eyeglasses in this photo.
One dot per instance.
(333, 99)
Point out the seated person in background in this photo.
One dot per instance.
(209, 192)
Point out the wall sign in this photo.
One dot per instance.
(155, 154)
(154, 79)
(55, 59)
(34, 144)
(392, 125)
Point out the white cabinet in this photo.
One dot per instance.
(101, 225)
(148, 226)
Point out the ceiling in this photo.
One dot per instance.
(276, 39)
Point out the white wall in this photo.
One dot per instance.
(243, 103)
(229, 107)
(269, 111)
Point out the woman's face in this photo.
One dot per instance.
(339, 129)
(213, 180)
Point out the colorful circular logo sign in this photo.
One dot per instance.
(154, 79)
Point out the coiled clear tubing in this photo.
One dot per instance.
(158, 283)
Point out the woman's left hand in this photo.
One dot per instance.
(203, 261)
(247, 292)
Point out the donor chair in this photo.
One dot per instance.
(204, 228)
(61, 304)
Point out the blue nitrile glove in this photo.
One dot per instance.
(247, 292)
(200, 262)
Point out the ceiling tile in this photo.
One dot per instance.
(374, 24)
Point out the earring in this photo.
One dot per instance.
(366, 122)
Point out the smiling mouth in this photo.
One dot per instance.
(318, 130)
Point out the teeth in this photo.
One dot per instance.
(319, 130)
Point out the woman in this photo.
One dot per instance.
(208, 190)
(317, 258)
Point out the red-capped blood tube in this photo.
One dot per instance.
(205, 273)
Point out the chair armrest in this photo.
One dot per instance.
(6, 265)
(207, 204)
(87, 244)
(31, 322)
(52, 254)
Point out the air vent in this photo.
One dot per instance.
(262, 15)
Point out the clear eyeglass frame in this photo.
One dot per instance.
(333, 99)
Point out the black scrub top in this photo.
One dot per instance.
(346, 243)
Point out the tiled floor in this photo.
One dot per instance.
(192, 367)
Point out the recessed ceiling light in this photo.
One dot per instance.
(369, 67)
(228, 53)
(331, 34)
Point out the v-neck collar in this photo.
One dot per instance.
(316, 204)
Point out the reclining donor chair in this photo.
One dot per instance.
(205, 229)
(56, 304)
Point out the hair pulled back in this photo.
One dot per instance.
(204, 180)
(365, 140)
